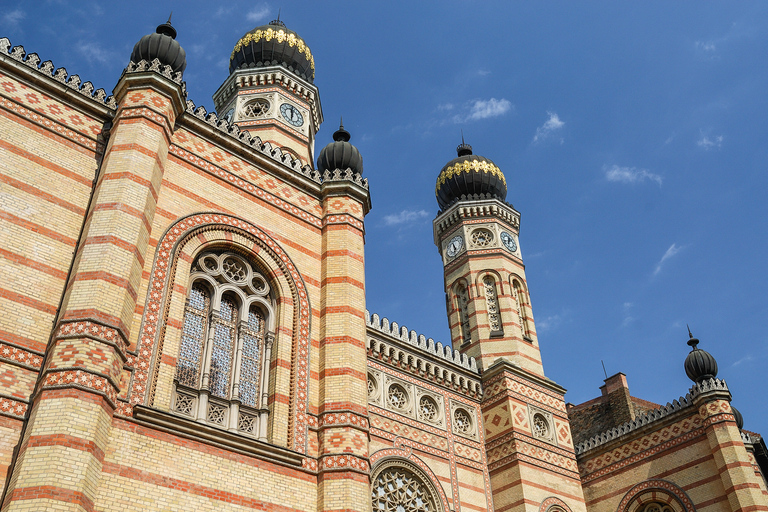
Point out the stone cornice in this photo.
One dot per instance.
(474, 208)
(153, 76)
(191, 429)
(273, 75)
(345, 182)
(500, 365)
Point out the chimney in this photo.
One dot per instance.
(616, 390)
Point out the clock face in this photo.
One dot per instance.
(291, 114)
(508, 241)
(454, 246)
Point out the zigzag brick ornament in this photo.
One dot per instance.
(185, 327)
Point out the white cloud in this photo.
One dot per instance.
(745, 359)
(483, 109)
(405, 217)
(445, 107)
(550, 126)
(483, 72)
(707, 46)
(629, 174)
(258, 14)
(95, 53)
(548, 323)
(627, 313)
(14, 17)
(672, 251)
(710, 143)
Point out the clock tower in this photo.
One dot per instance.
(476, 232)
(270, 90)
(489, 312)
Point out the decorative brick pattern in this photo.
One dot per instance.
(31, 360)
(13, 407)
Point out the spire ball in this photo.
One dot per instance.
(699, 365)
(469, 176)
(161, 45)
(340, 154)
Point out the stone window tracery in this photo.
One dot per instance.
(520, 302)
(492, 304)
(541, 426)
(397, 488)
(462, 422)
(481, 238)
(223, 366)
(462, 297)
(657, 507)
(428, 410)
(256, 108)
(397, 397)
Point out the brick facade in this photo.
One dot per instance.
(108, 203)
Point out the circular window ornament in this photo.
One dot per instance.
(462, 422)
(372, 387)
(428, 409)
(256, 108)
(397, 397)
(482, 238)
(398, 489)
(657, 507)
(541, 426)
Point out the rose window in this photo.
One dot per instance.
(461, 421)
(427, 409)
(371, 386)
(397, 397)
(258, 108)
(482, 237)
(540, 426)
(234, 270)
(657, 507)
(399, 490)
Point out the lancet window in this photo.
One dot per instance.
(222, 371)
(462, 298)
(522, 306)
(492, 304)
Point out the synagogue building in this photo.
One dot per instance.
(184, 325)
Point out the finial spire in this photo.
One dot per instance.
(166, 29)
(464, 149)
(341, 122)
(341, 135)
(692, 342)
(169, 18)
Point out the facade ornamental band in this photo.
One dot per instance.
(184, 326)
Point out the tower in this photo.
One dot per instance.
(270, 90)
(527, 435)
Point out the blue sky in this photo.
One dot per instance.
(632, 136)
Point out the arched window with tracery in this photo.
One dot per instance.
(462, 304)
(401, 487)
(222, 371)
(656, 507)
(521, 304)
(492, 305)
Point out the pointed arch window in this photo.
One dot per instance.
(522, 308)
(492, 305)
(223, 366)
(462, 300)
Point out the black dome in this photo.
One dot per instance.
(161, 45)
(469, 174)
(272, 45)
(340, 154)
(699, 365)
(739, 418)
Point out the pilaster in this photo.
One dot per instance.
(737, 475)
(344, 468)
(61, 455)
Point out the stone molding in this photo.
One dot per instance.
(46, 69)
(230, 441)
(475, 206)
(650, 490)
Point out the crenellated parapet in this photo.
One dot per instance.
(422, 356)
(47, 69)
(646, 419)
(167, 71)
(472, 207)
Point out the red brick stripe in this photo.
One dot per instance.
(328, 340)
(22, 260)
(27, 301)
(46, 163)
(334, 372)
(37, 228)
(330, 310)
(28, 343)
(343, 280)
(121, 207)
(20, 185)
(342, 252)
(189, 487)
(67, 441)
(109, 278)
(50, 492)
(132, 177)
(117, 242)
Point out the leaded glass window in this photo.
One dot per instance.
(492, 304)
(225, 345)
(462, 295)
(521, 308)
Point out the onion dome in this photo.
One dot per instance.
(469, 174)
(161, 45)
(699, 365)
(272, 45)
(340, 154)
(739, 418)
